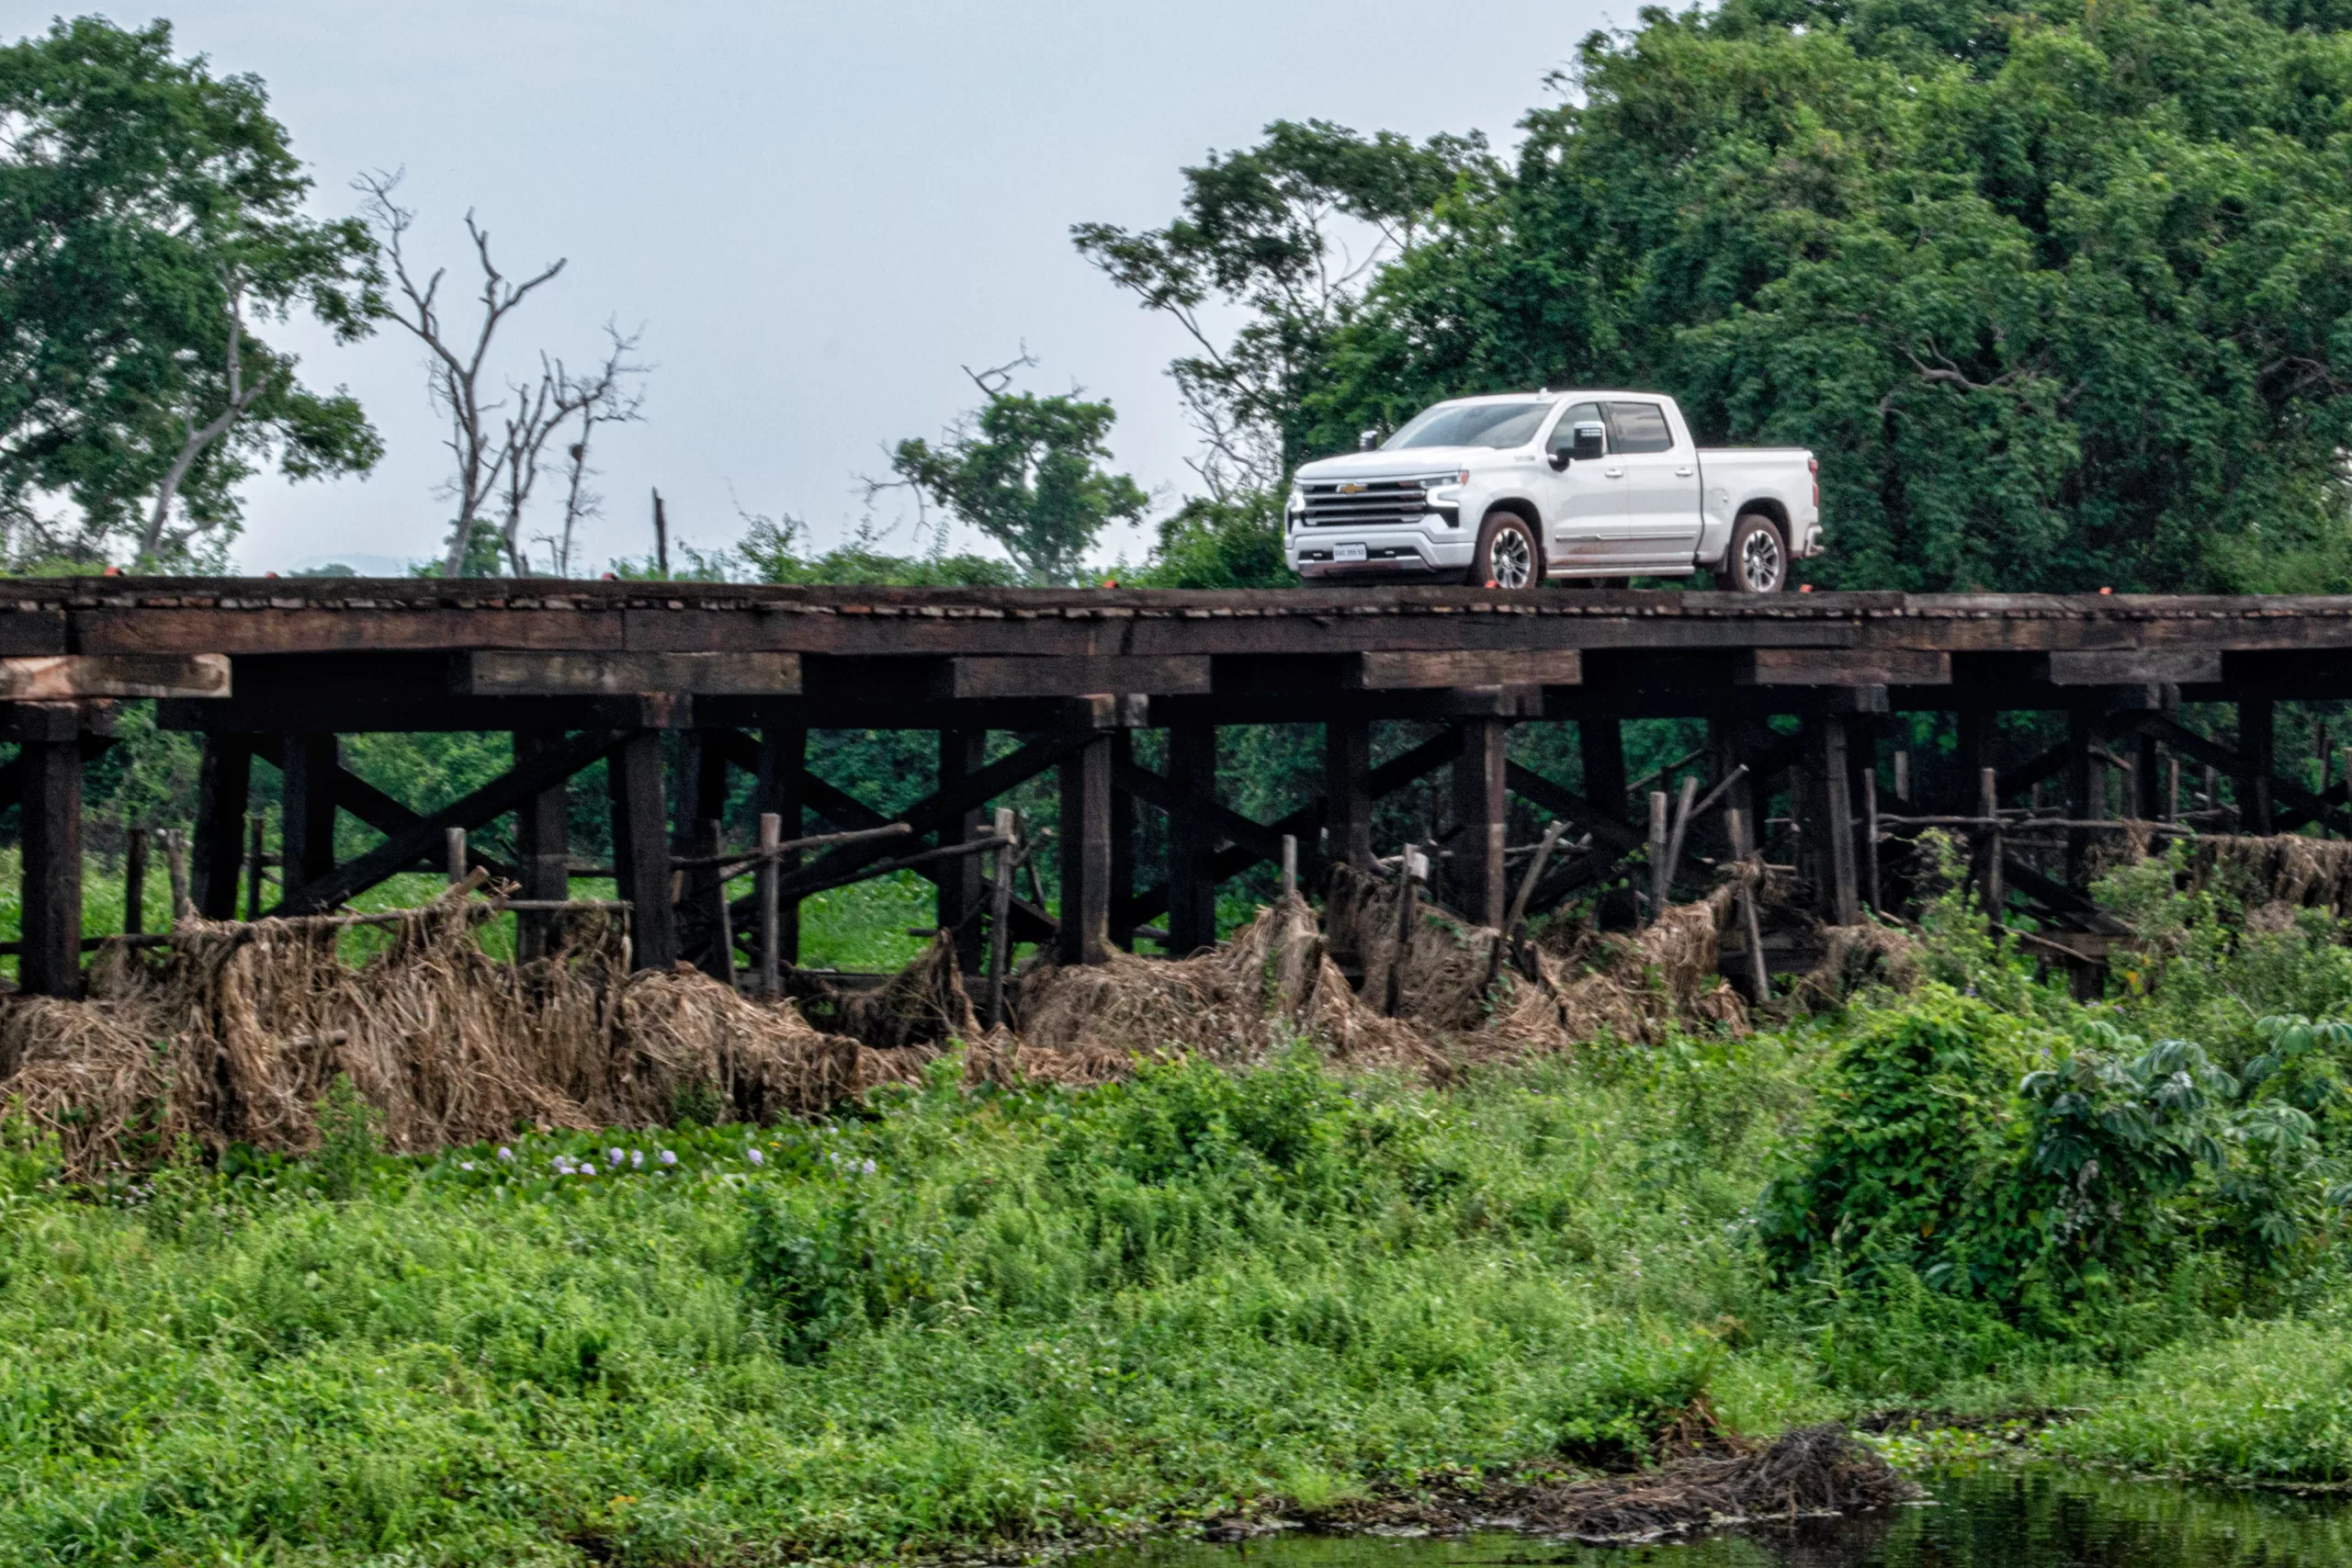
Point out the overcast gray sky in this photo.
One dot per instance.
(817, 212)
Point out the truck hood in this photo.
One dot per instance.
(1388, 465)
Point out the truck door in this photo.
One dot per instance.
(1662, 502)
(1584, 503)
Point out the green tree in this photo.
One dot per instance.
(1027, 471)
(1285, 235)
(2061, 294)
(150, 218)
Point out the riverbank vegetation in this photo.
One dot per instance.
(948, 1316)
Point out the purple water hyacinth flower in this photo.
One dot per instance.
(867, 1168)
(669, 1157)
(613, 1155)
(756, 1156)
(504, 1153)
(637, 1160)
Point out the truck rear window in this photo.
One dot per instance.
(1639, 428)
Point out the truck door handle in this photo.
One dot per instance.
(1682, 473)
(1613, 473)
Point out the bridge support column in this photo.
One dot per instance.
(1192, 888)
(50, 962)
(542, 848)
(223, 780)
(1347, 792)
(640, 848)
(2256, 752)
(1828, 821)
(1084, 936)
(1479, 805)
(2086, 790)
(306, 766)
(782, 790)
(1600, 747)
(1123, 843)
(962, 752)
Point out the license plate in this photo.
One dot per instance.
(1347, 552)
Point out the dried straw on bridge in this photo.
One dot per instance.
(234, 1032)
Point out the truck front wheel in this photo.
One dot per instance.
(1507, 557)
(1757, 561)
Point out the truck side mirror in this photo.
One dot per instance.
(1367, 441)
(1591, 442)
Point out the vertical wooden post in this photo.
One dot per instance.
(1192, 886)
(962, 752)
(222, 781)
(1008, 849)
(1658, 858)
(49, 902)
(306, 825)
(1903, 778)
(2085, 800)
(1829, 834)
(2257, 757)
(641, 848)
(1872, 889)
(1123, 845)
(1988, 809)
(1759, 977)
(2147, 783)
(1600, 746)
(2172, 789)
(175, 866)
(452, 844)
(134, 883)
(1411, 867)
(1479, 805)
(721, 966)
(1290, 865)
(703, 926)
(771, 875)
(1347, 792)
(256, 851)
(1973, 750)
(542, 849)
(1085, 922)
(783, 791)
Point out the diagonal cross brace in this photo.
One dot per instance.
(492, 800)
(389, 817)
(2285, 792)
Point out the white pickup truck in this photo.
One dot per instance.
(1505, 491)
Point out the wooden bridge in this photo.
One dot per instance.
(577, 671)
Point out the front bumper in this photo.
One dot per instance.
(1387, 552)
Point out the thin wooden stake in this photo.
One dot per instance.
(1869, 838)
(1008, 832)
(770, 882)
(1759, 977)
(2172, 789)
(134, 884)
(256, 845)
(1290, 865)
(453, 841)
(1407, 883)
(1526, 893)
(715, 832)
(1657, 856)
(176, 864)
(1988, 806)
(1902, 777)
(1682, 815)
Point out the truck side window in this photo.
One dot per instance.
(1563, 434)
(1639, 428)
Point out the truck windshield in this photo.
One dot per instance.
(1498, 425)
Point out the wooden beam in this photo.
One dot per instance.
(223, 780)
(2256, 748)
(1085, 828)
(1842, 667)
(1479, 807)
(2128, 667)
(492, 800)
(1192, 839)
(503, 673)
(1201, 815)
(387, 815)
(1382, 672)
(1030, 923)
(982, 676)
(1347, 792)
(67, 677)
(641, 846)
(50, 899)
(962, 886)
(306, 765)
(542, 847)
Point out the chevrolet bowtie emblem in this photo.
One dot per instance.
(1352, 490)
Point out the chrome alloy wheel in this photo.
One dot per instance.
(1761, 561)
(1510, 561)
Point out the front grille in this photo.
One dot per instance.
(1372, 503)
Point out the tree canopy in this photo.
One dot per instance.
(150, 216)
(2060, 293)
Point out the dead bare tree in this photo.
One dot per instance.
(242, 398)
(607, 395)
(481, 454)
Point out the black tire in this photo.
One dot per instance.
(1757, 559)
(1507, 558)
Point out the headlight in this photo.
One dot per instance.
(1294, 508)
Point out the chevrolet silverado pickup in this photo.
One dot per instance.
(1507, 492)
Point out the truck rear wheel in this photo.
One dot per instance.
(1507, 557)
(1757, 559)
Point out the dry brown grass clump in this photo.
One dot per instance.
(2285, 868)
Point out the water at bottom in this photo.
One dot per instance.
(1982, 1517)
